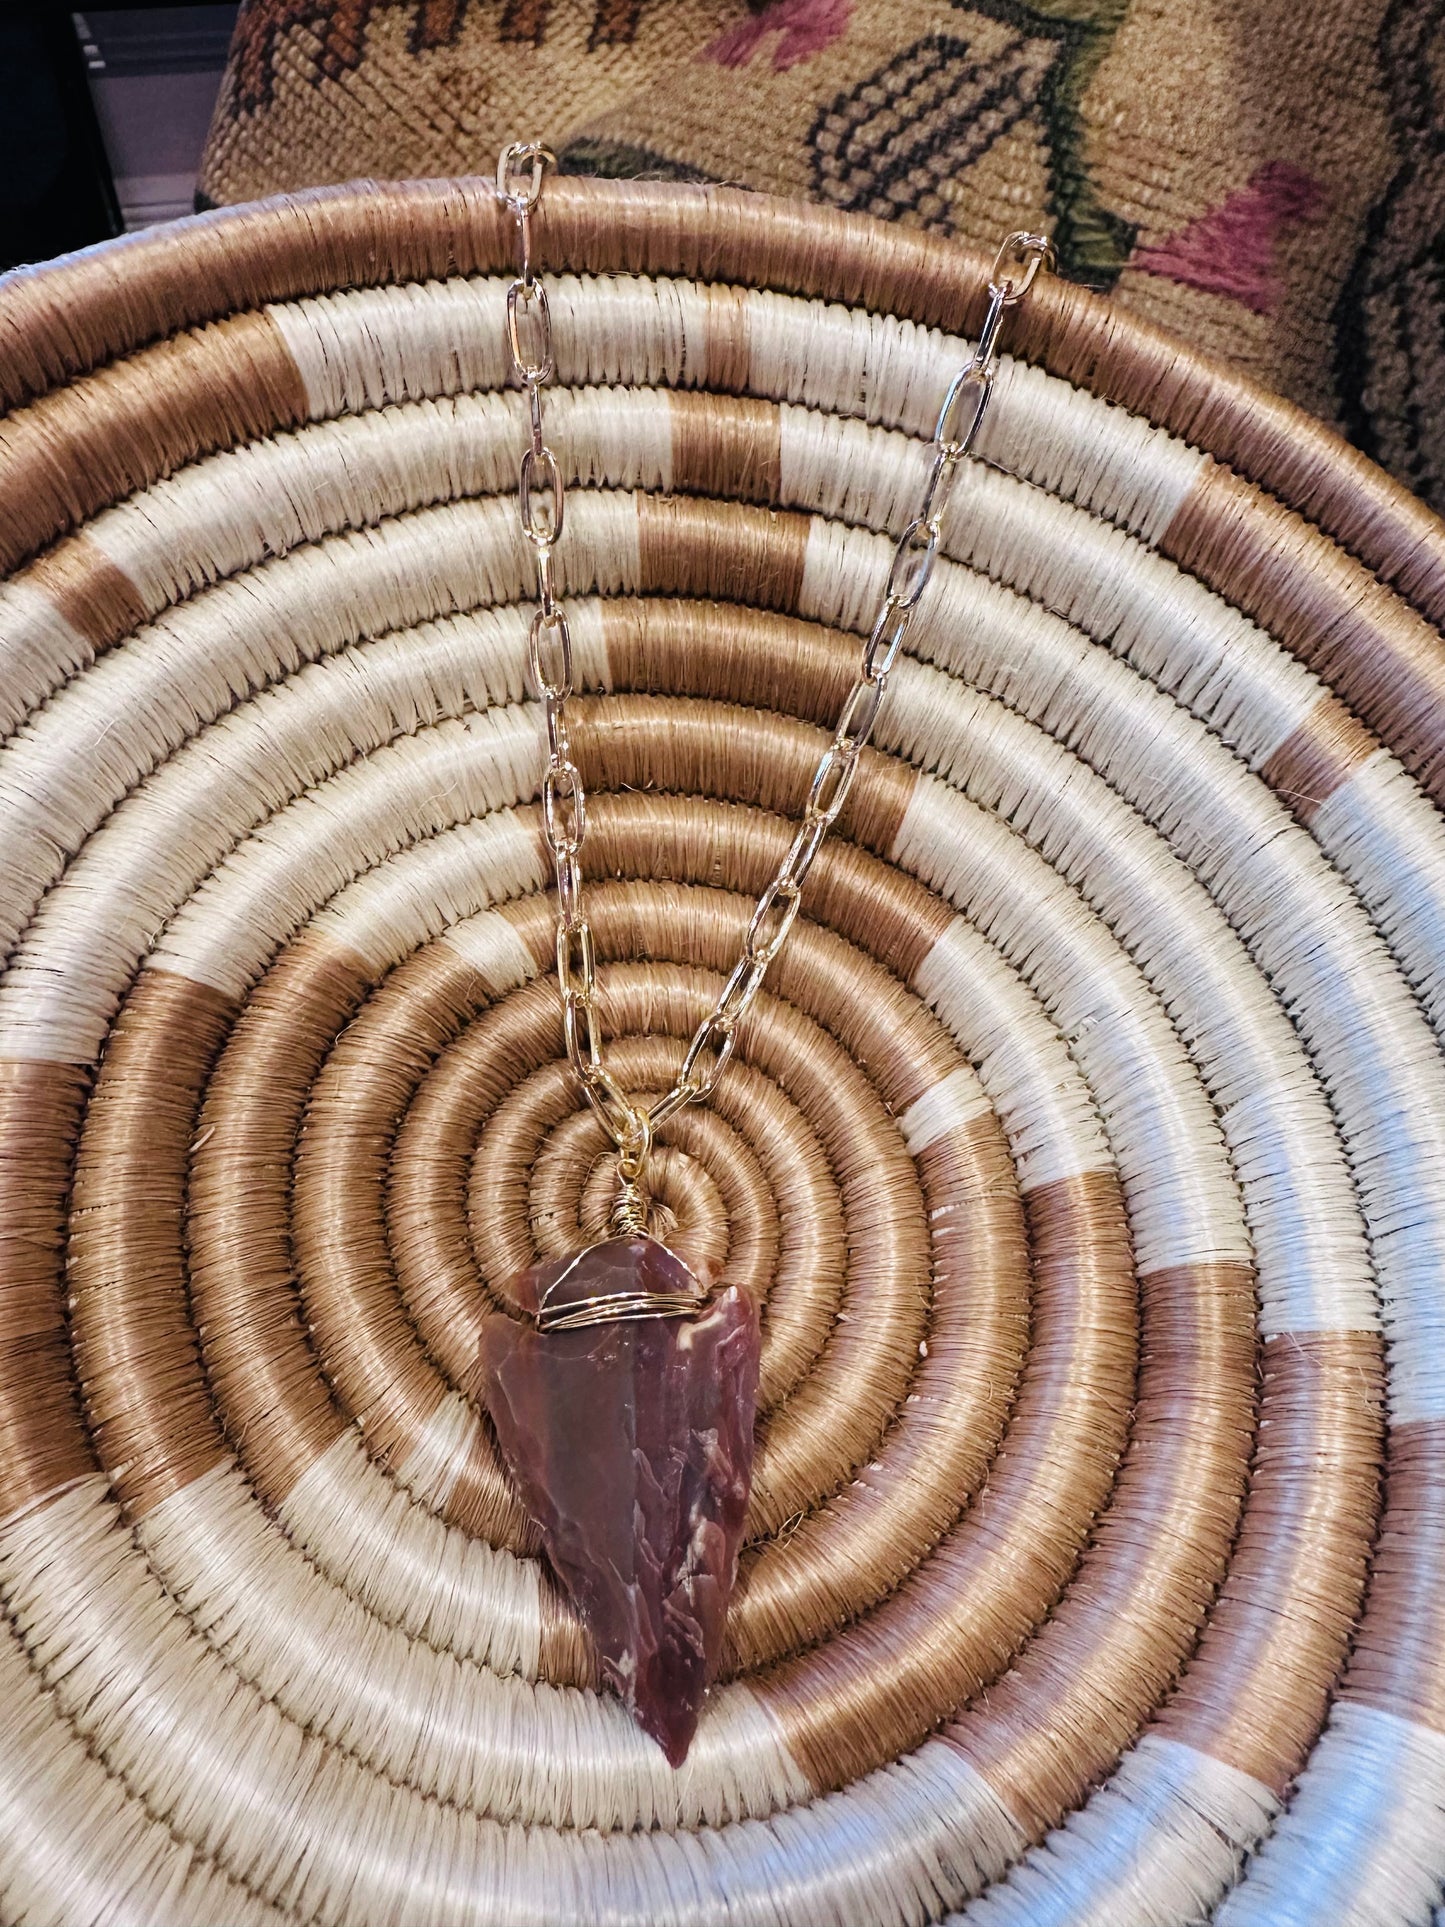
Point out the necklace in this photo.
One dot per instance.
(623, 1394)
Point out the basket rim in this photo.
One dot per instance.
(62, 319)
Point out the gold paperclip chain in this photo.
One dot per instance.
(630, 1124)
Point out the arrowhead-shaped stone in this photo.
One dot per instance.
(632, 1446)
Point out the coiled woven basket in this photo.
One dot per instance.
(1085, 1148)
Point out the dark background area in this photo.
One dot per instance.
(103, 116)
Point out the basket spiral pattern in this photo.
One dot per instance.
(1084, 1148)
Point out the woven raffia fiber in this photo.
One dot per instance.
(1264, 177)
(1084, 1147)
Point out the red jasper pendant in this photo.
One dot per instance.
(626, 1417)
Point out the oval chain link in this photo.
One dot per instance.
(520, 173)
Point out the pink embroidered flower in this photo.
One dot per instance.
(1231, 249)
(803, 27)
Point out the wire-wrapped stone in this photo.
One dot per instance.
(625, 1413)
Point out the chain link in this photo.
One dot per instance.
(540, 502)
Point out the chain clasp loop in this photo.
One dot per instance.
(515, 156)
(1021, 255)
